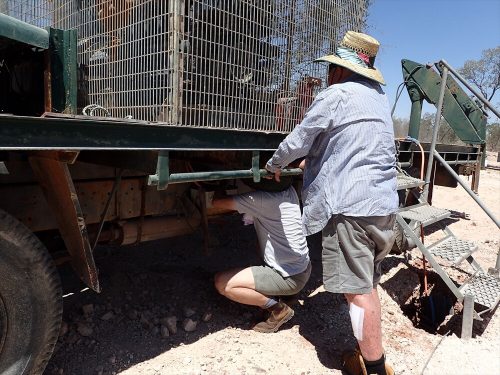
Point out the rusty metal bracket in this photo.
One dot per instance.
(55, 180)
(112, 193)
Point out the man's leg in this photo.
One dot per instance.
(352, 251)
(371, 343)
(239, 285)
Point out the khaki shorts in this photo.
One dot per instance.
(269, 282)
(353, 249)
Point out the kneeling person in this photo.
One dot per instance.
(286, 269)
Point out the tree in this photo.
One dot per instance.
(493, 137)
(446, 134)
(485, 72)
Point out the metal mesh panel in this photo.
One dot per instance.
(453, 249)
(485, 288)
(212, 63)
(35, 12)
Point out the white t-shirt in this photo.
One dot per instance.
(278, 223)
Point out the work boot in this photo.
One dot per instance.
(279, 314)
(354, 364)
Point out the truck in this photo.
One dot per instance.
(113, 114)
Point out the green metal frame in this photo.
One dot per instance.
(162, 177)
(62, 50)
(66, 132)
(63, 68)
(19, 31)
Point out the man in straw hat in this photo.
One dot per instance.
(349, 188)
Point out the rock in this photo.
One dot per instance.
(171, 323)
(145, 322)
(112, 359)
(155, 330)
(88, 309)
(109, 315)
(132, 314)
(189, 312)
(207, 316)
(84, 329)
(64, 329)
(72, 338)
(164, 331)
(189, 325)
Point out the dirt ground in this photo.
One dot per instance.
(158, 312)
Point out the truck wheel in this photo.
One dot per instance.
(402, 243)
(30, 300)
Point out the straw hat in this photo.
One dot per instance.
(357, 52)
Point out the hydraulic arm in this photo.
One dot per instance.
(466, 117)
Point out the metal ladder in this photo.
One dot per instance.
(481, 289)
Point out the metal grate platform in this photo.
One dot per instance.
(453, 249)
(408, 182)
(424, 213)
(485, 289)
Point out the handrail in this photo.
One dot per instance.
(435, 133)
(176, 178)
(434, 154)
(467, 189)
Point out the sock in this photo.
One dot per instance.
(270, 303)
(376, 367)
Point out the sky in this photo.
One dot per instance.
(428, 31)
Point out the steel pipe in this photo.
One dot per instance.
(176, 178)
(467, 189)
(435, 133)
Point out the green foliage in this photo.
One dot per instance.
(446, 134)
(485, 72)
(493, 137)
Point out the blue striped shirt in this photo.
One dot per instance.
(347, 137)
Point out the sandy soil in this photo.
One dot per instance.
(124, 330)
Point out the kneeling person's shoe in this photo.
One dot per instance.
(279, 315)
(354, 364)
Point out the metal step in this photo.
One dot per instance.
(408, 182)
(453, 249)
(484, 287)
(424, 213)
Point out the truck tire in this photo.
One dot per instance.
(30, 300)
(401, 243)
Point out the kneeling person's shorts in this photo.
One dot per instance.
(270, 282)
(353, 249)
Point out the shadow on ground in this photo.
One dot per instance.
(145, 283)
(140, 286)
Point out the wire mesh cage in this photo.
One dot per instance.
(235, 64)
